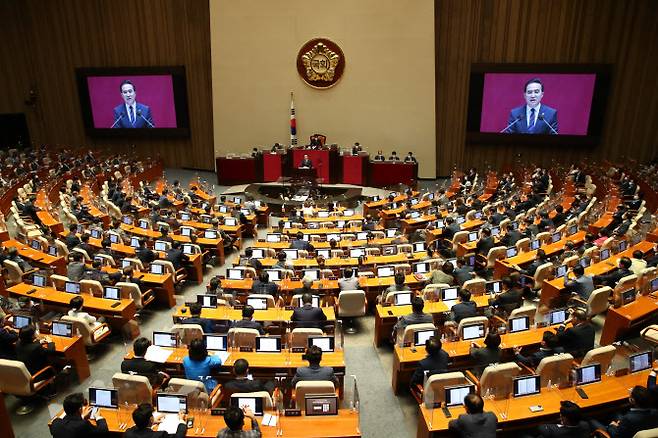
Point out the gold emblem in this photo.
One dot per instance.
(320, 63)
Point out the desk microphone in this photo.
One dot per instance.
(139, 113)
(117, 120)
(519, 117)
(541, 117)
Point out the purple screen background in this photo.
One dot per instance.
(570, 94)
(154, 91)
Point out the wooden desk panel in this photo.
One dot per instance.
(74, 351)
(58, 264)
(620, 320)
(224, 313)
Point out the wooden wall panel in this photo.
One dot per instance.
(43, 43)
(621, 33)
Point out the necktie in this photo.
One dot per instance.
(531, 124)
(132, 116)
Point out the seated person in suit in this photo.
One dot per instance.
(463, 272)
(75, 311)
(96, 273)
(394, 157)
(250, 261)
(509, 299)
(571, 423)
(417, 316)
(485, 243)
(300, 243)
(199, 365)
(31, 351)
(349, 281)
(72, 240)
(12, 254)
(76, 267)
(84, 245)
(306, 288)
(264, 286)
(195, 318)
(611, 279)
(540, 259)
(8, 338)
(490, 353)
(144, 254)
(379, 156)
(410, 158)
(306, 163)
(443, 275)
(549, 347)
(143, 418)
(464, 309)
(399, 286)
(578, 339)
(435, 362)
(308, 316)
(247, 320)
(142, 367)
(639, 417)
(76, 424)
(582, 285)
(242, 381)
(314, 371)
(475, 422)
(234, 419)
(176, 257)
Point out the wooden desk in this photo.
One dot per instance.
(224, 313)
(285, 286)
(215, 246)
(602, 222)
(387, 317)
(405, 360)
(5, 422)
(74, 351)
(611, 393)
(343, 425)
(620, 320)
(116, 317)
(58, 264)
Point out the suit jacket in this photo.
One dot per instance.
(246, 385)
(435, 364)
(314, 373)
(308, 317)
(583, 286)
(482, 357)
(306, 163)
(463, 310)
(484, 245)
(536, 357)
(133, 432)
(206, 324)
(577, 340)
(143, 115)
(475, 425)
(246, 323)
(541, 126)
(74, 426)
(145, 255)
(72, 241)
(141, 367)
(634, 421)
(462, 274)
(176, 257)
(561, 431)
(33, 355)
(509, 300)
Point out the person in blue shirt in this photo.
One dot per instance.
(198, 365)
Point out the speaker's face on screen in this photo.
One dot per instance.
(128, 94)
(533, 94)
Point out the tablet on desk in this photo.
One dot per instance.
(421, 268)
(230, 221)
(157, 269)
(134, 242)
(21, 321)
(188, 249)
(216, 342)
(511, 252)
(165, 339)
(474, 331)
(35, 244)
(326, 343)
(472, 236)
(526, 385)
(207, 301)
(535, 244)
(104, 397)
(254, 403)
(555, 237)
(39, 280)
(320, 404)
(640, 361)
(588, 374)
(72, 287)
(52, 250)
(62, 328)
(604, 254)
(171, 403)
(268, 344)
(402, 298)
(557, 316)
(210, 234)
(519, 324)
(273, 238)
(160, 245)
(186, 231)
(421, 336)
(449, 293)
(454, 395)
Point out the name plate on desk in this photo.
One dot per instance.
(246, 349)
(386, 304)
(218, 411)
(298, 349)
(289, 308)
(238, 306)
(292, 413)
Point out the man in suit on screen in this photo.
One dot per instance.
(131, 114)
(533, 117)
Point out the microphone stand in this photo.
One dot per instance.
(511, 124)
(541, 117)
(139, 113)
(117, 121)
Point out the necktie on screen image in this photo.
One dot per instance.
(132, 116)
(531, 123)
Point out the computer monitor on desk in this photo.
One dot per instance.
(519, 324)
(257, 303)
(604, 254)
(171, 403)
(402, 298)
(420, 247)
(207, 301)
(421, 336)
(640, 361)
(326, 343)
(216, 342)
(312, 274)
(454, 395)
(165, 339)
(274, 274)
(39, 280)
(357, 252)
(157, 269)
(254, 403)
(472, 236)
(104, 397)
(588, 374)
(474, 331)
(21, 321)
(112, 292)
(421, 267)
(526, 385)
(268, 344)
(62, 328)
(449, 293)
(235, 274)
(385, 271)
(557, 316)
(72, 287)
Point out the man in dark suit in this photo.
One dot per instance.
(143, 418)
(464, 309)
(451, 227)
(639, 417)
(533, 117)
(306, 163)
(84, 244)
(175, 255)
(475, 422)
(72, 240)
(32, 352)
(247, 320)
(300, 243)
(142, 367)
(144, 254)
(242, 382)
(548, 347)
(582, 284)
(435, 362)
(571, 423)
(195, 318)
(611, 279)
(75, 423)
(486, 355)
(509, 299)
(314, 371)
(485, 243)
(131, 114)
(579, 339)
(308, 316)
(417, 316)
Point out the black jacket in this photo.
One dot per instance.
(560, 431)
(142, 367)
(634, 421)
(434, 364)
(474, 425)
(308, 317)
(484, 245)
(145, 255)
(463, 310)
(33, 355)
(176, 257)
(76, 427)
(577, 340)
(148, 433)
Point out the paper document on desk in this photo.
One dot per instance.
(169, 424)
(269, 420)
(222, 355)
(157, 354)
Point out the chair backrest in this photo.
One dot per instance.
(84, 253)
(135, 263)
(495, 253)
(543, 237)
(197, 396)
(107, 260)
(598, 301)
(408, 334)
(571, 261)
(243, 337)
(187, 332)
(132, 388)
(602, 355)
(476, 286)
(496, 379)
(430, 292)
(299, 336)
(271, 303)
(523, 245)
(529, 311)
(312, 387)
(434, 388)
(405, 248)
(404, 268)
(473, 320)
(555, 369)
(83, 327)
(390, 296)
(459, 237)
(373, 251)
(14, 272)
(648, 433)
(326, 273)
(267, 399)
(352, 303)
(543, 272)
(16, 379)
(625, 283)
(91, 287)
(131, 291)
(62, 249)
(58, 281)
(249, 272)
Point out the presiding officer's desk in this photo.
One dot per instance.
(387, 316)
(405, 359)
(609, 394)
(116, 315)
(39, 258)
(343, 425)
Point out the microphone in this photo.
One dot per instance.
(139, 113)
(117, 120)
(519, 117)
(541, 117)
